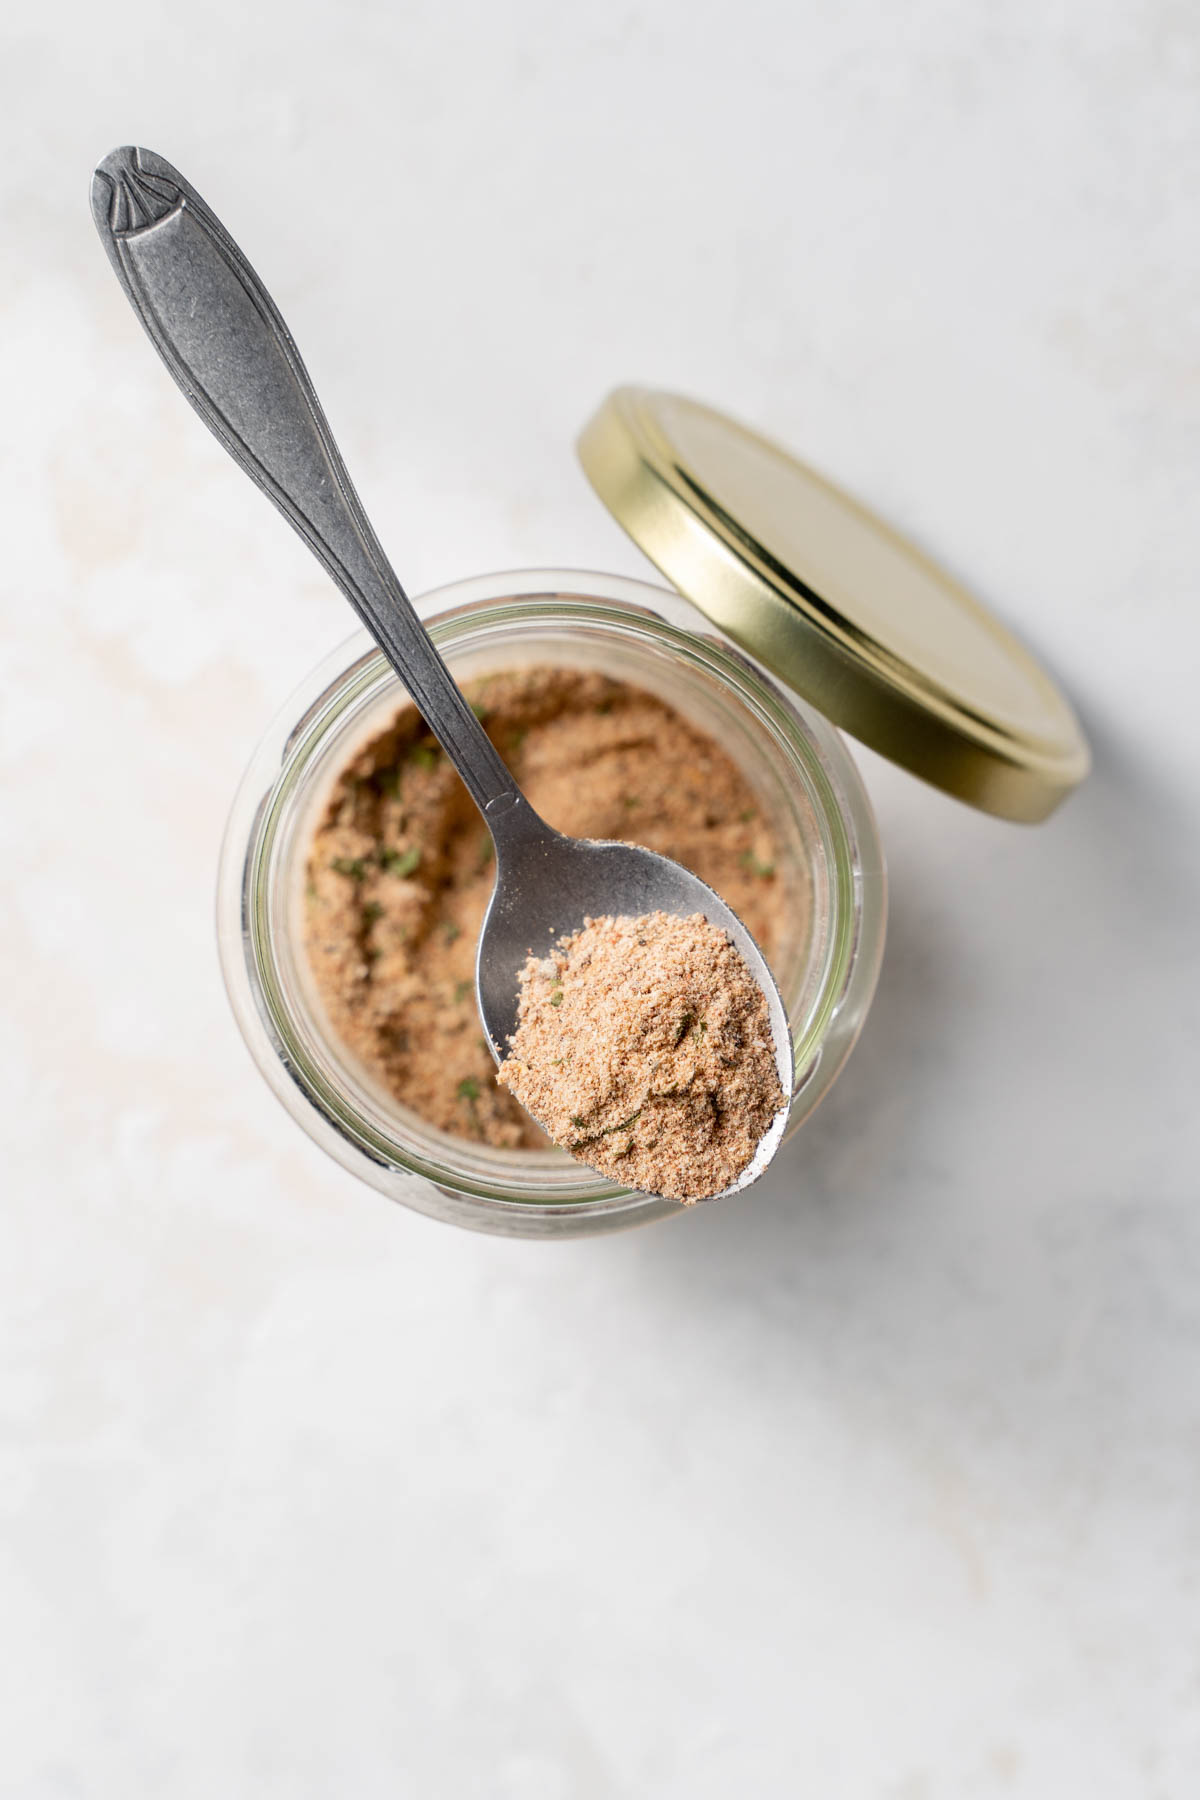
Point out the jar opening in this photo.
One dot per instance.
(796, 766)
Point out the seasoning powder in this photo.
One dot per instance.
(644, 1048)
(400, 870)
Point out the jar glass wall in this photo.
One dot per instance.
(828, 855)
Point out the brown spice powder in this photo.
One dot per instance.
(399, 870)
(643, 1046)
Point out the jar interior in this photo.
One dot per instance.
(707, 684)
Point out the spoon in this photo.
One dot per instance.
(219, 333)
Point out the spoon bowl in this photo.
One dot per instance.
(222, 337)
(548, 884)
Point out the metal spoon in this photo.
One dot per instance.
(219, 333)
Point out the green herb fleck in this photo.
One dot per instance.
(468, 1089)
(749, 814)
(461, 990)
(401, 862)
(479, 709)
(609, 1129)
(556, 997)
(576, 1119)
(310, 888)
(624, 1125)
(451, 930)
(629, 801)
(486, 852)
(749, 861)
(354, 867)
(423, 755)
(517, 738)
(604, 706)
(370, 912)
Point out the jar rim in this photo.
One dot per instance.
(463, 1177)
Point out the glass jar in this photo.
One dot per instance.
(828, 852)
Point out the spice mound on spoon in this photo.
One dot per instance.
(222, 337)
(644, 1048)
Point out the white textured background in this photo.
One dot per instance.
(884, 1483)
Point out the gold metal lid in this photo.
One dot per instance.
(837, 604)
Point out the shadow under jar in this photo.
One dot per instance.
(829, 862)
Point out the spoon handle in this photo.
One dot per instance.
(217, 329)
